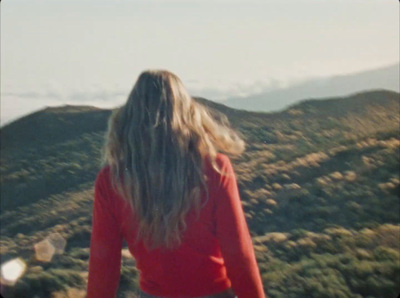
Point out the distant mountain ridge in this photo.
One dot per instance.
(383, 78)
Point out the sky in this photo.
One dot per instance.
(90, 52)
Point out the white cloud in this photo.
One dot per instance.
(16, 104)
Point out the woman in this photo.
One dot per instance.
(167, 191)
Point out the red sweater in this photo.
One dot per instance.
(216, 252)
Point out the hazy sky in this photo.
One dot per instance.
(56, 52)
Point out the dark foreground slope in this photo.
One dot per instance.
(319, 184)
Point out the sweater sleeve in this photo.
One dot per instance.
(234, 237)
(105, 245)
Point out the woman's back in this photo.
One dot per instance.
(166, 191)
(216, 240)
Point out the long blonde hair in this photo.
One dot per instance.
(155, 146)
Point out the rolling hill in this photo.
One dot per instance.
(319, 184)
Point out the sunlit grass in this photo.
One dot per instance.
(319, 187)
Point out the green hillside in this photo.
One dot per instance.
(319, 183)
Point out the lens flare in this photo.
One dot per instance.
(44, 251)
(58, 242)
(12, 270)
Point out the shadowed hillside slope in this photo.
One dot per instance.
(319, 184)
